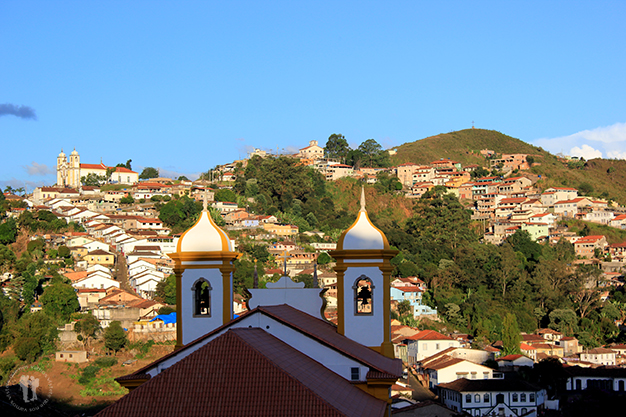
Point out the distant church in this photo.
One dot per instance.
(282, 358)
(70, 173)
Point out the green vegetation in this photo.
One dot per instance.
(148, 173)
(114, 337)
(493, 292)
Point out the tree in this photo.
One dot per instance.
(373, 154)
(404, 308)
(511, 337)
(7, 258)
(127, 199)
(59, 301)
(93, 180)
(8, 231)
(166, 290)
(530, 160)
(87, 327)
(183, 178)
(148, 173)
(324, 258)
(115, 337)
(306, 278)
(336, 147)
(564, 321)
(126, 165)
(226, 195)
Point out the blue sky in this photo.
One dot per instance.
(184, 86)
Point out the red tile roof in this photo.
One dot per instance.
(247, 371)
(429, 335)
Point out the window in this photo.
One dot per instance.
(437, 346)
(202, 298)
(531, 397)
(363, 296)
(354, 374)
(522, 398)
(477, 398)
(468, 398)
(515, 397)
(486, 398)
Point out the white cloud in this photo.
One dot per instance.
(586, 152)
(609, 134)
(39, 169)
(616, 154)
(594, 143)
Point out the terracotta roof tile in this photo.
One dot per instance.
(245, 370)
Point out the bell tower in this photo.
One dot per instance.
(204, 279)
(62, 169)
(363, 284)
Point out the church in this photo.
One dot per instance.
(282, 357)
(69, 172)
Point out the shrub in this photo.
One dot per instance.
(106, 361)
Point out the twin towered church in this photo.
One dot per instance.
(282, 358)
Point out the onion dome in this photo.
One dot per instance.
(204, 236)
(62, 154)
(74, 152)
(362, 235)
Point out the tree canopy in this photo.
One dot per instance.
(148, 173)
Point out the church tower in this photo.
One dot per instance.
(204, 279)
(73, 177)
(62, 169)
(363, 284)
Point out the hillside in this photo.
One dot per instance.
(463, 146)
(598, 177)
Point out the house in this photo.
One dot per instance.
(550, 196)
(405, 173)
(336, 171)
(598, 356)
(72, 356)
(426, 343)
(313, 151)
(598, 216)
(501, 397)
(537, 231)
(585, 246)
(413, 295)
(514, 361)
(442, 369)
(570, 208)
(282, 356)
(605, 379)
(96, 281)
(101, 257)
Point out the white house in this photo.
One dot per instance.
(600, 356)
(606, 379)
(426, 343)
(501, 397)
(444, 369)
(96, 280)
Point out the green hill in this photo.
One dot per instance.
(463, 146)
(598, 177)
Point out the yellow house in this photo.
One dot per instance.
(99, 257)
(281, 229)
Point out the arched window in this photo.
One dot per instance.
(468, 398)
(477, 398)
(202, 298)
(514, 398)
(363, 296)
(486, 398)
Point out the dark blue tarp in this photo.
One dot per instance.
(167, 318)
